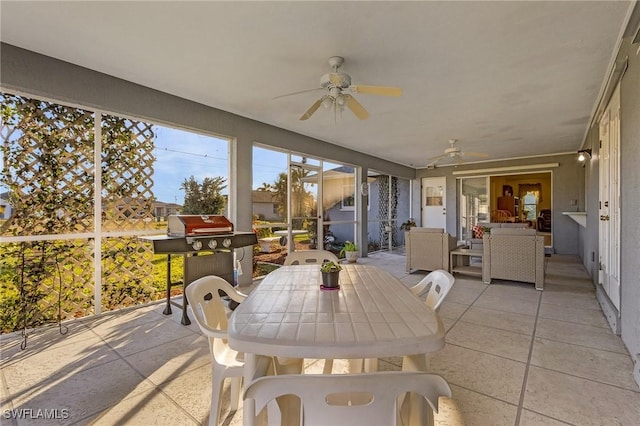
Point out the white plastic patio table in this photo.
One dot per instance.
(372, 315)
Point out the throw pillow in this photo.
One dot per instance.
(478, 231)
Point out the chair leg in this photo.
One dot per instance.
(367, 365)
(370, 365)
(288, 365)
(274, 416)
(236, 386)
(356, 365)
(217, 381)
(328, 366)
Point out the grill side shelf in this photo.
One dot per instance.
(198, 263)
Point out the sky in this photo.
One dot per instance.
(181, 154)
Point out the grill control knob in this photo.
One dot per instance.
(197, 245)
(212, 244)
(227, 242)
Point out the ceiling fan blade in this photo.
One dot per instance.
(377, 90)
(356, 108)
(437, 157)
(297, 93)
(476, 154)
(312, 109)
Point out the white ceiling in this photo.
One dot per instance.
(511, 79)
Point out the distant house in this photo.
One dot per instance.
(339, 201)
(265, 205)
(5, 207)
(161, 209)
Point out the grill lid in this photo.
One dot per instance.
(193, 225)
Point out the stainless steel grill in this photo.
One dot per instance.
(206, 242)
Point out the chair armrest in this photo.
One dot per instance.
(211, 332)
(452, 242)
(236, 295)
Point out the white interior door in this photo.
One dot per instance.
(609, 206)
(434, 203)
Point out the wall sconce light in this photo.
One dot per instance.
(582, 154)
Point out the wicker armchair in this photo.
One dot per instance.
(428, 248)
(513, 254)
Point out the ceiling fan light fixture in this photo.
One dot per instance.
(328, 102)
(340, 100)
(582, 154)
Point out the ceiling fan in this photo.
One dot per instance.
(456, 153)
(337, 85)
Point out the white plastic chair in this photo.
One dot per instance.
(210, 315)
(310, 257)
(441, 282)
(349, 399)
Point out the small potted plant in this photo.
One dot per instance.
(350, 251)
(406, 226)
(330, 274)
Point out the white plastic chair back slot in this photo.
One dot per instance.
(437, 283)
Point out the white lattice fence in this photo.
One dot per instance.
(48, 174)
(127, 171)
(48, 167)
(126, 271)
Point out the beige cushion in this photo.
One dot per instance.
(436, 230)
(512, 231)
(504, 225)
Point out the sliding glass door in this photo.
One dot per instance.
(473, 204)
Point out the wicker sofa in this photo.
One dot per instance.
(428, 248)
(513, 254)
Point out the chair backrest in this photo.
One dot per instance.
(513, 231)
(349, 399)
(310, 257)
(428, 248)
(515, 255)
(208, 309)
(419, 229)
(441, 282)
(210, 313)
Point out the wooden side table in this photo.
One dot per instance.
(460, 261)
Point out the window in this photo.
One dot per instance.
(348, 200)
(530, 197)
(530, 205)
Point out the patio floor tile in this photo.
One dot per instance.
(138, 366)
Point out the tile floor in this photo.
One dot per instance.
(514, 356)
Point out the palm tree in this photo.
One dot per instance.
(266, 187)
